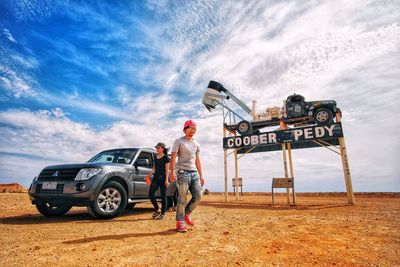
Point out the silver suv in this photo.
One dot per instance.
(107, 184)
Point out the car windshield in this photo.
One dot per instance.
(115, 156)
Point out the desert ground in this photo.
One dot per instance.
(321, 230)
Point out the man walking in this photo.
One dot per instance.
(189, 174)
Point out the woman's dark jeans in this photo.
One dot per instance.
(155, 183)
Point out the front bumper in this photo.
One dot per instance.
(66, 192)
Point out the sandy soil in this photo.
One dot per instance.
(320, 230)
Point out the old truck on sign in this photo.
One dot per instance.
(295, 110)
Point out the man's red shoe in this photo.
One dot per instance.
(188, 219)
(180, 226)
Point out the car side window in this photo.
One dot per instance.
(147, 155)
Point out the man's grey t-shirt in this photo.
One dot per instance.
(186, 151)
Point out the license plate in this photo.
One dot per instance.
(49, 185)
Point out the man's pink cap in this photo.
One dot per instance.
(189, 123)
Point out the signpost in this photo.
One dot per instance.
(237, 182)
(282, 183)
(286, 139)
(326, 134)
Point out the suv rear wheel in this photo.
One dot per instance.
(109, 202)
(52, 210)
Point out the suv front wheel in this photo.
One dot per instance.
(52, 210)
(109, 202)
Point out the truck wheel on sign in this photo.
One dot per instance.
(52, 210)
(244, 127)
(323, 116)
(109, 202)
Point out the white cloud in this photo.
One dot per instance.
(26, 62)
(34, 11)
(9, 36)
(266, 50)
(146, 107)
(124, 97)
(15, 69)
(303, 56)
(52, 134)
(87, 104)
(18, 85)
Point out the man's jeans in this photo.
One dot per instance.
(187, 181)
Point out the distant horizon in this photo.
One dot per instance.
(245, 192)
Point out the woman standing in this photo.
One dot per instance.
(160, 180)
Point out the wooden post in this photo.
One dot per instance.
(286, 171)
(226, 169)
(289, 147)
(345, 164)
(236, 174)
(283, 126)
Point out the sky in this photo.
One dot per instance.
(79, 77)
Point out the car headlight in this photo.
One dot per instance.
(85, 174)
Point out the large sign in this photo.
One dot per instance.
(299, 137)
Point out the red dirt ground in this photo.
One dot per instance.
(321, 230)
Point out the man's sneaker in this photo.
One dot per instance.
(180, 226)
(156, 213)
(188, 219)
(159, 217)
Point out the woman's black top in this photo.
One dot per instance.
(160, 166)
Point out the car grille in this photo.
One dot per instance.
(63, 175)
(58, 190)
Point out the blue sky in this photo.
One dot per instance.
(77, 77)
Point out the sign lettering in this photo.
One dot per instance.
(310, 133)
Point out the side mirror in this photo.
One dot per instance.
(142, 162)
